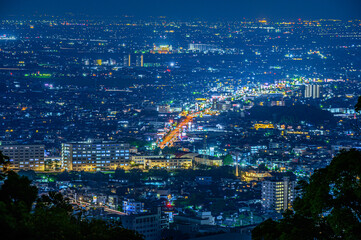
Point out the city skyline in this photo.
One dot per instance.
(172, 120)
(212, 9)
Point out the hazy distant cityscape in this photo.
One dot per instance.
(178, 128)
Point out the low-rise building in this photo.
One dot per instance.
(201, 218)
(208, 160)
(169, 163)
(130, 206)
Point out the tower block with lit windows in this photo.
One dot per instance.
(237, 174)
(278, 191)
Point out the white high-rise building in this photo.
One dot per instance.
(312, 91)
(278, 192)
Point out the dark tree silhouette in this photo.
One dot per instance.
(4, 164)
(358, 105)
(330, 206)
(291, 114)
(50, 217)
(358, 110)
(17, 190)
(227, 160)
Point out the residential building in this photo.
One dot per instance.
(94, 155)
(278, 192)
(25, 157)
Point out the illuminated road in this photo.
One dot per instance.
(171, 137)
(113, 211)
(106, 208)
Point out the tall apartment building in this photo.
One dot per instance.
(94, 155)
(25, 157)
(139, 61)
(127, 60)
(312, 91)
(278, 192)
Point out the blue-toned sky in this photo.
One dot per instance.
(177, 8)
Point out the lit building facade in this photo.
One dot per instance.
(162, 49)
(312, 91)
(139, 62)
(278, 192)
(127, 60)
(202, 47)
(94, 156)
(255, 175)
(169, 163)
(25, 157)
(208, 160)
(130, 206)
(139, 159)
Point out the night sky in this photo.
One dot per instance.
(345, 9)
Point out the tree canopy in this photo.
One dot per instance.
(24, 215)
(358, 105)
(227, 160)
(329, 208)
(4, 163)
(291, 114)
